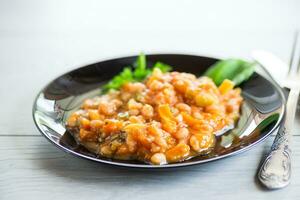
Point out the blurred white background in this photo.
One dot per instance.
(61, 32)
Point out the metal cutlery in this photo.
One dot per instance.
(275, 171)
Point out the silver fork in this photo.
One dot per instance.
(275, 171)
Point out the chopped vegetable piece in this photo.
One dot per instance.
(140, 71)
(244, 74)
(119, 80)
(226, 86)
(177, 153)
(163, 67)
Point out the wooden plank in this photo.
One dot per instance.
(33, 168)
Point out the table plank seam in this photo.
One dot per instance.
(19, 135)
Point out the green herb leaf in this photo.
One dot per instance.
(163, 67)
(141, 62)
(244, 73)
(233, 69)
(117, 81)
(140, 71)
(213, 70)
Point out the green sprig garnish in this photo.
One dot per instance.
(236, 70)
(137, 73)
(163, 67)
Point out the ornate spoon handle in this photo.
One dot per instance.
(275, 171)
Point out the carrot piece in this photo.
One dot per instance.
(226, 86)
(165, 112)
(177, 153)
(168, 120)
(112, 126)
(189, 120)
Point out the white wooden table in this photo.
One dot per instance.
(40, 40)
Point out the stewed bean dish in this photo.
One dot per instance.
(169, 117)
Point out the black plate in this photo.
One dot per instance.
(262, 109)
